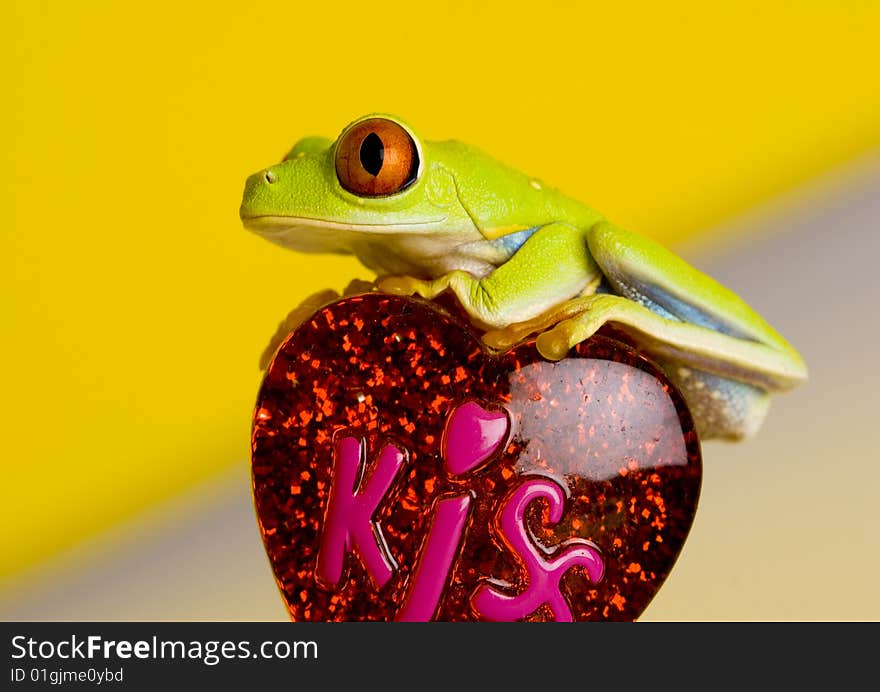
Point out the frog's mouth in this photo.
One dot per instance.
(275, 225)
(321, 235)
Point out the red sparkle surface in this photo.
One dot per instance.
(604, 423)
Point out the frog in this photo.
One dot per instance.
(523, 259)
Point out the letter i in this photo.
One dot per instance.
(435, 558)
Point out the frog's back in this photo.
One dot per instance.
(501, 199)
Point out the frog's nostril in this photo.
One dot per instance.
(270, 177)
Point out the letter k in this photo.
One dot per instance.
(353, 502)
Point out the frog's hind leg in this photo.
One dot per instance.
(721, 408)
(726, 399)
(722, 355)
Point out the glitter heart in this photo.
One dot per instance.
(402, 472)
(472, 436)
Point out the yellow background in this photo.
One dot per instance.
(135, 306)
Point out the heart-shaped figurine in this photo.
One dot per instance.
(401, 472)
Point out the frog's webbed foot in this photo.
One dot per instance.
(507, 337)
(590, 314)
(408, 286)
(356, 286)
(666, 340)
(473, 294)
(306, 309)
(722, 405)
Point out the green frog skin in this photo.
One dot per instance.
(522, 258)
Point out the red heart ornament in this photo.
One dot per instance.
(401, 472)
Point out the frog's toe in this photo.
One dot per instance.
(506, 337)
(555, 343)
(501, 339)
(356, 286)
(400, 285)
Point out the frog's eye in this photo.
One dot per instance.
(376, 157)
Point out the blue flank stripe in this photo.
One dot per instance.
(665, 304)
(513, 242)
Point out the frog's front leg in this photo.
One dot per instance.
(552, 266)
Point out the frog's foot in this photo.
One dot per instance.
(560, 328)
(592, 312)
(295, 318)
(357, 286)
(507, 337)
(408, 286)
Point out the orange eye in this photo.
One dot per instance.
(376, 157)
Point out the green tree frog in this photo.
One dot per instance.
(522, 258)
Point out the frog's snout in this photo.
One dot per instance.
(267, 176)
(260, 179)
(259, 190)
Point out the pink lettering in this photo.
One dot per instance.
(472, 436)
(349, 524)
(543, 574)
(437, 553)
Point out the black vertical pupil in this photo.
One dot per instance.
(372, 153)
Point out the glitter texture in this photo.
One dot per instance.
(603, 424)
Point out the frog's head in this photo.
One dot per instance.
(376, 179)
